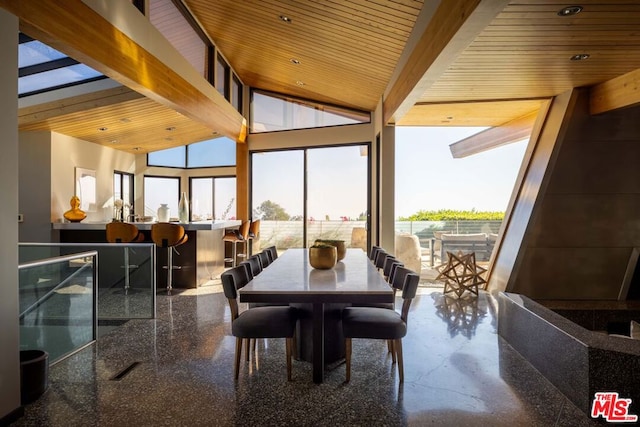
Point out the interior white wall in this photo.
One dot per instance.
(9, 332)
(67, 153)
(34, 193)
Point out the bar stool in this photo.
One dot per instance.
(236, 236)
(254, 234)
(122, 232)
(166, 235)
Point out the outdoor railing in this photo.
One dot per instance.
(57, 303)
(288, 234)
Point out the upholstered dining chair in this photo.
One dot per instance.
(272, 252)
(381, 323)
(253, 266)
(381, 257)
(388, 263)
(167, 235)
(123, 232)
(265, 259)
(373, 252)
(259, 322)
(254, 234)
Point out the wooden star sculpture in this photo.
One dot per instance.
(461, 274)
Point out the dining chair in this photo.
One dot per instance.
(388, 263)
(167, 235)
(253, 266)
(259, 322)
(373, 252)
(381, 323)
(272, 252)
(381, 257)
(123, 232)
(265, 259)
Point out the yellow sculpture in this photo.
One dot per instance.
(75, 214)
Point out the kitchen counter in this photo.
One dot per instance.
(201, 258)
(191, 226)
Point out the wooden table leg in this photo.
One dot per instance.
(318, 343)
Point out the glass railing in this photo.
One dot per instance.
(57, 301)
(126, 277)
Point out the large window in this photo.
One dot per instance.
(123, 190)
(216, 152)
(160, 190)
(213, 198)
(236, 94)
(271, 112)
(222, 77)
(308, 194)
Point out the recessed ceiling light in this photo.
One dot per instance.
(103, 129)
(300, 83)
(114, 141)
(570, 11)
(285, 18)
(580, 57)
(136, 148)
(295, 61)
(170, 128)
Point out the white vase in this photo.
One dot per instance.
(163, 213)
(183, 208)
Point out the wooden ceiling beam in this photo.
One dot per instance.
(507, 133)
(74, 28)
(619, 92)
(453, 26)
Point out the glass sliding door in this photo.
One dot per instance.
(327, 187)
(338, 194)
(277, 198)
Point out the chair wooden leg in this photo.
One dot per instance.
(347, 357)
(254, 346)
(236, 366)
(398, 346)
(289, 345)
(393, 351)
(247, 348)
(390, 345)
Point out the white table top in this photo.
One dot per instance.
(290, 278)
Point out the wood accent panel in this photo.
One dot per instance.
(75, 29)
(620, 92)
(513, 131)
(524, 52)
(347, 50)
(484, 113)
(243, 209)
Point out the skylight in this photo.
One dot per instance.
(42, 68)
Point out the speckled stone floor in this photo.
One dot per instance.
(458, 372)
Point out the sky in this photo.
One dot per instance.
(427, 176)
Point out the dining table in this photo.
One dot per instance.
(290, 279)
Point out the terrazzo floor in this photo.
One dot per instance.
(458, 372)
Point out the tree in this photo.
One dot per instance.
(271, 211)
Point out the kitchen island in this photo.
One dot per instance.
(201, 257)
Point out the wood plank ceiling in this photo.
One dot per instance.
(348, 51)
(526, 51)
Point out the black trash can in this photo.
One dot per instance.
(34, 375)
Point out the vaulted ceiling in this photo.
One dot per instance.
(453, 62)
